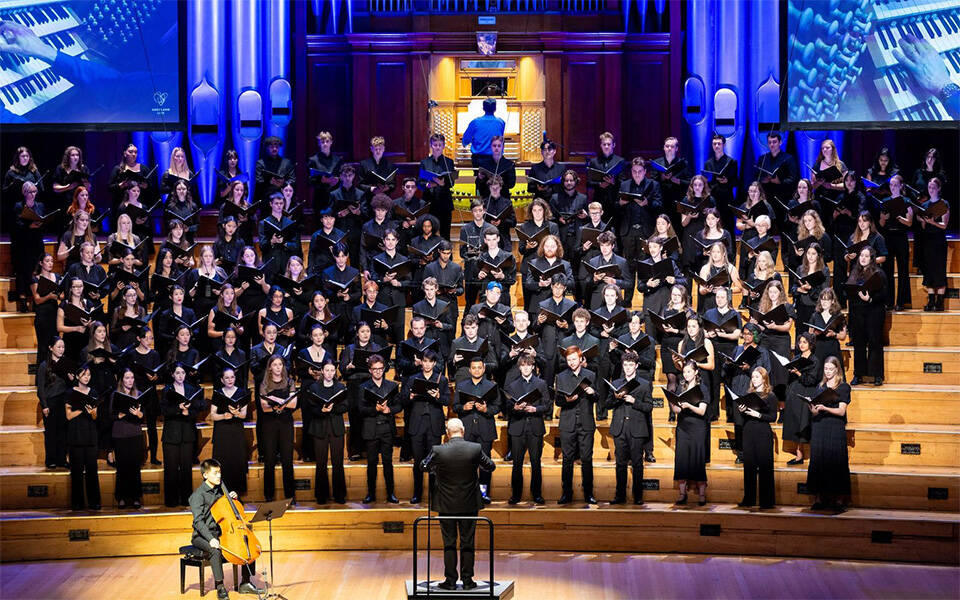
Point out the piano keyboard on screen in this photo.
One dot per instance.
(26, 83)
(937, 22)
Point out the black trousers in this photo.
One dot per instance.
(868, 358)
(380, 448)
(128, 452)
(150, 416)
(355, 442)
(631, 252)
(55, 432)
(487, 448)
(532, 444)
(84, 476)
(277, 435)
(758, 464)
(216, 561)
(629, 449)
(444, 215)
(898, 251)
(467, 529)
(578, 442)
(321, 487)
(177, 473)
(421, 444)
(306, 440)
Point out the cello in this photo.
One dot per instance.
(238, 543)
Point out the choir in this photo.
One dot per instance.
(125, 338)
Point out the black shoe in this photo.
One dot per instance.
(447, 585)
(469, 584)
(415, 500)
(671, 418)
(619, 500)
(486, 499)
(739, 460)
(392, 499)
(818, 506)
(340, 500)
(590, 500)
(539, 500)
(321, 500)
(681, 500)
(856, 380)
(509, 456)
(222, 593)
(931, 303)
(513, 501)
(767, 506)
(702, 501)
(94, 507)
(638, 501)
(899, 308)
(248, 588)
(939, 303)
(648, 457)
(794, 461)
(743, 504)
(137, 504)
(155, 462)
(878, 381)
(122, 504)
(369, 499)
(564, 499)
(355, 457)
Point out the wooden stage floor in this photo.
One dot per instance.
(354, 575)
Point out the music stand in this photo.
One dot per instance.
(268, 511)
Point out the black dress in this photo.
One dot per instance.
(230, 449)
(670, 341)
(796, 413)
(45, 321)
(690, 461)
(829, 470)
(934, 257)
(826, 346)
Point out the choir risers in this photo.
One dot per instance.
(867, 534)
(872, 487)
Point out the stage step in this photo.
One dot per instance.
(920, 488)
(867, 534)
(868, 444)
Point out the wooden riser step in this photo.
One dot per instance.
(932, 446)
(935, 489)
(867, 534)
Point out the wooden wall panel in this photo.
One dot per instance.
(390, 105)
(646, 104)
(331, 102)
(582, 106)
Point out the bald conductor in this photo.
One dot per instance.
(456, 465)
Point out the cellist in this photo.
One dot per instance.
(206, 532)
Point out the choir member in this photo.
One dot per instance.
(45, 303)
(758, 443)
(748, 356)
(472, 243)
(693, 339)
(934, 242)
(53, 381)
(778, 170)
(604, 329)
(546, 173)
(881, 171)
(670, 336)
(81, 411)
(146, 364)
(343, 283)
(228, 409)
(931, 167)
(552, 331)
(69, 174)
(327, 403)
(139, 213)
(276, 312)
(575, 394)
(322, 242)
(776, 335)
(227, 304)
(78, 233)
(178, 242)
(498, 211)
(494, 317)
(718, 262)
(749, 216)
(251, 294)
(724, 340)
(22, 170)
(868, 311)
(125, 277)
(495, 164)
(26, 243)
(827, 158)
(477, 401)
(539, 223)
(639, 203)
(425, 409)
(406, 207)
(438, 191)
(569, 207)
(549, 255)
(236, 205)
(629, 429)
(656, 289)
(229, 355)
(472, 345)
(828, 476)
(88, 271)
(588, 344)
(690, 461)
(229, 172)
(73, 328)
(693, 218)
(725, 177)
(606, 190)
(125, 238)
(351, 210)
(596, 280)
(803, 382)
(277, 242)
(379, 404)
(810, 230)
(178, 171)
(168, 319)
(829, 325)
(848, 205)
(182, 402)
(585, 249)
(126, 430)
(355, 372)
(423, 248)
(278, 400)
(527, 402)
(712, 233)
(393, 283)
(672, 172)
(374, 231)
(273, 171)
(377, 173)
(806, 294)
(380, 326)
(127, 174)
(324, 167)
(513, 348)
(894, 224)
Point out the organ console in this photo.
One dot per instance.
(27, 82)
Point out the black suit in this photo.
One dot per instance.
(457, 493)
(424, 416)
(379, 430)
(526, 433)
(630, 432)
(577, 427)
(478, 426)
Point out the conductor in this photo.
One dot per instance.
(457, 494)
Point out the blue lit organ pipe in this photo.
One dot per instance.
(660, 6)
(699, 85)
(763, 84)
(246, 101)
(276, 67)
(730, 38)
(206, 77)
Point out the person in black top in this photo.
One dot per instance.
(274, 246)
(350, 208)
(639, 204)
(673, 174)
(26, 242)
(328, 402)
(478, 415)
(828, 476)
(328, 166)
(181, 405)
(272, 171)
(355, 373)
(606, 191)
(424, 414)
(849, 203)
(690, 460)
(438, 190)
(894, 227)
(81, 411)
(126, 431)
(569, 208)
(52, 385)
(22, 170)
(206, 532)
(378, 164)
(277, 403)
(758, 443)
(724, 178)
(629, 426)
(45, 305)
(867, 315)
(455, 465)
(547, 171)
(497, 164)
(228, 410)
(778, 172)
(527, 402)
(575, 394)
(378, 405)
(933, 240)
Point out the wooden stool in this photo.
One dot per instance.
(191, 556)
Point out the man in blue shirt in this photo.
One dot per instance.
(481, 131)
